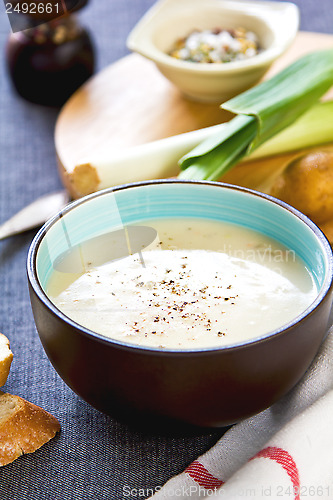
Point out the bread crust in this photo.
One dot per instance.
(24, 427)
(6, 357)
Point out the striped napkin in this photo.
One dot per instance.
(285, 451)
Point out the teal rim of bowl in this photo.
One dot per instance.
(137, 202)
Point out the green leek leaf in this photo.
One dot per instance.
(262, 112)
(313, 128)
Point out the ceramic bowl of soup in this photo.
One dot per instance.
(195, 303)
(214, 49)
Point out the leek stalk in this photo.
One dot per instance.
(262, 112)
(158, 159)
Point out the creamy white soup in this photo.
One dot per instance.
(198, 284)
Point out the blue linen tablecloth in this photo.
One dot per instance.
(94, 457)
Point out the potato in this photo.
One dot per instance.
(307, 184)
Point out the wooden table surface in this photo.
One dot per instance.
(131, 103)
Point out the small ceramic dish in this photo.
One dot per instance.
(274, 23)
(207, 387)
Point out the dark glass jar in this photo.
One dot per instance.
(49, 62)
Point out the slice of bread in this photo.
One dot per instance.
(24, 427)
(6, 357)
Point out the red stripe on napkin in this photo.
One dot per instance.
(283, 458)
(204, 478)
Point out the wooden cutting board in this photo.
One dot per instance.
(131, 103)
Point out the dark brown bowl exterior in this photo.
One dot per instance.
(211, 388)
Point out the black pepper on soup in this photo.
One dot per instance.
(200, 284)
